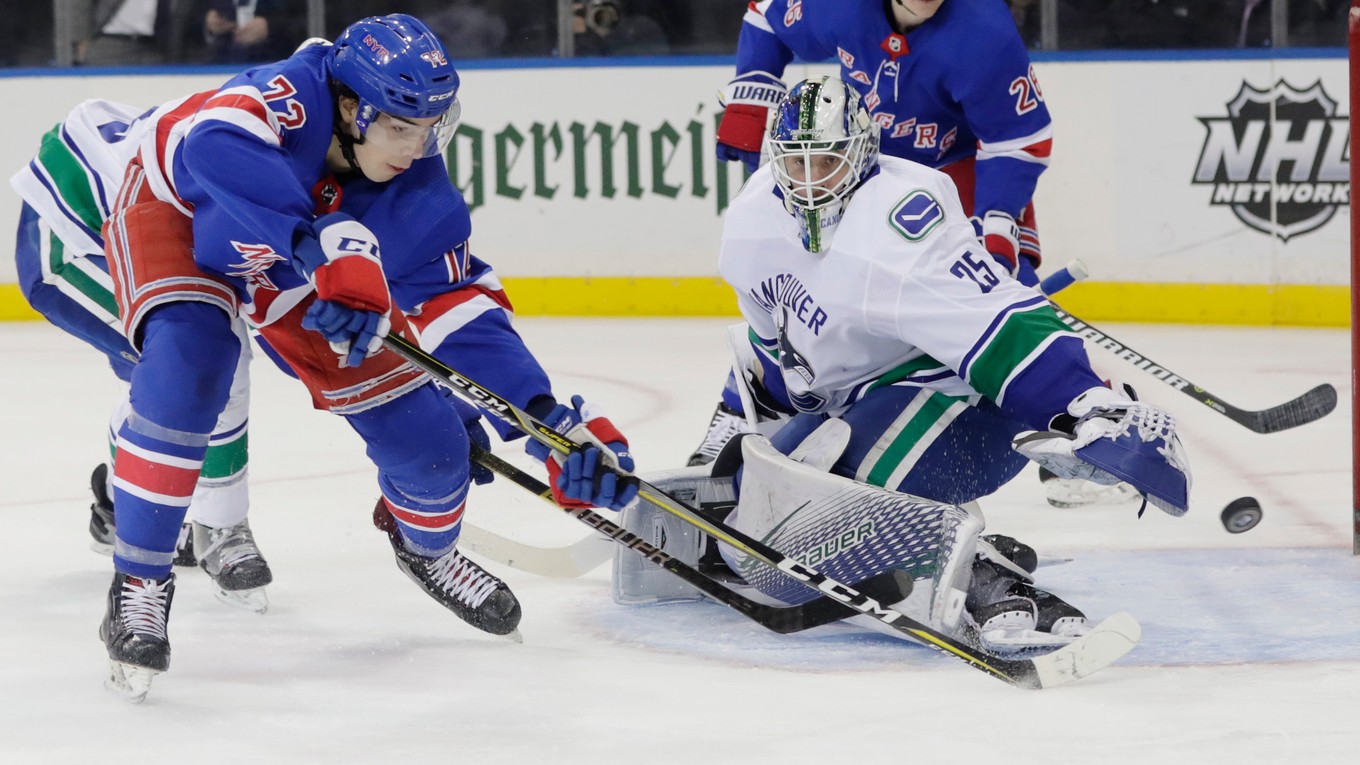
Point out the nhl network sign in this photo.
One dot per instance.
(1278, 160)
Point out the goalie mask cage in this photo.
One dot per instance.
(1353, 43)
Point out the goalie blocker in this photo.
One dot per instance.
(944, 574)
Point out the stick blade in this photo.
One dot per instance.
(1310, 407)
(1101, 647)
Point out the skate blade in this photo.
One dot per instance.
(102, 548)
(253, 599)
(514, 637)
(129, 681)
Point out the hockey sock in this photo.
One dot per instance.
(178, 389)
(421, 450)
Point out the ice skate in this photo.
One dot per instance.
(459, 585)
(238, 570)
(1070, 493)
(134, 631)
(101, 512)
(725, 424)
(103, 529)
(1012, 616)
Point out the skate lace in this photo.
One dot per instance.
(143, 606)
(1150, 424)
(231, 545)
(721, 430)
(463, 579)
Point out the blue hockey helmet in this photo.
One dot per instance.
(823, 144)
(397, 66)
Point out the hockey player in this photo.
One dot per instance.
(232, 206)
(67, 189)
(950, 85)
(906, 363)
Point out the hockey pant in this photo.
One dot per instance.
(920, 442)
(74, 292)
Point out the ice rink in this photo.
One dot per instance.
(1250, 650)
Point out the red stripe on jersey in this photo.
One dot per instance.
(164, 125)
(155, 477)
(252, 106)
(1041, 150)
(441, 521)
(449, 301)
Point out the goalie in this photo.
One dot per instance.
(900, 375)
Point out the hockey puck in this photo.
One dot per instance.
(1241, 515)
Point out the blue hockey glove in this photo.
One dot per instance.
(353, 308)
(353, 334)
(1001, 236)
(577, 478)
(1109, 437)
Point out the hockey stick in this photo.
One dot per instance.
(590, 552)
(1313, 405)
(1107, 642)
(566, 562)
(781, 619)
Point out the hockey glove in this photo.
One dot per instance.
(746, 105)
(578, 478)
(1107, 437)
(353, 308)
(1001, 236)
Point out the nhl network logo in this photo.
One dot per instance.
(1279, 159)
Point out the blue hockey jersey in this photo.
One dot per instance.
(248, 163)
(959, 86)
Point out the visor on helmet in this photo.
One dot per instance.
(400, 135)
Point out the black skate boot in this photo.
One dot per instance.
(134, 631)
(1002, 604)
(1013, 550)
(234, 562)
(101, 512)
(459, 585)
(725, 424)
(103, 529)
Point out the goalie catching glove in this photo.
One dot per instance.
(579, 478)
(1110, 437)
(353, 308)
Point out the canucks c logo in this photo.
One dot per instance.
(1283, 148)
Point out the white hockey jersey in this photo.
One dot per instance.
(905, 295)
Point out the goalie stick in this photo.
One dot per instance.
(1311, 406)
(1110, 639)
(592, 551)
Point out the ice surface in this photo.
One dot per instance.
(1250, 651)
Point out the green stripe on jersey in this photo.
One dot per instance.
(1013, 342)
(904, 370)
(226, 459)
(924, 425)
(82, 282)
(73, 185)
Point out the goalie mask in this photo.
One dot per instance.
(822, 145)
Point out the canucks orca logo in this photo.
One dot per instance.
(790, 360)
(1281, 148)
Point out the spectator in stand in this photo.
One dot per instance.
(250, 31)
(599, 28)
(129, 32)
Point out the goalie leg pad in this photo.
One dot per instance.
(638, 581)
(850, 531)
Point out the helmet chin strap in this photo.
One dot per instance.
(347, 142)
